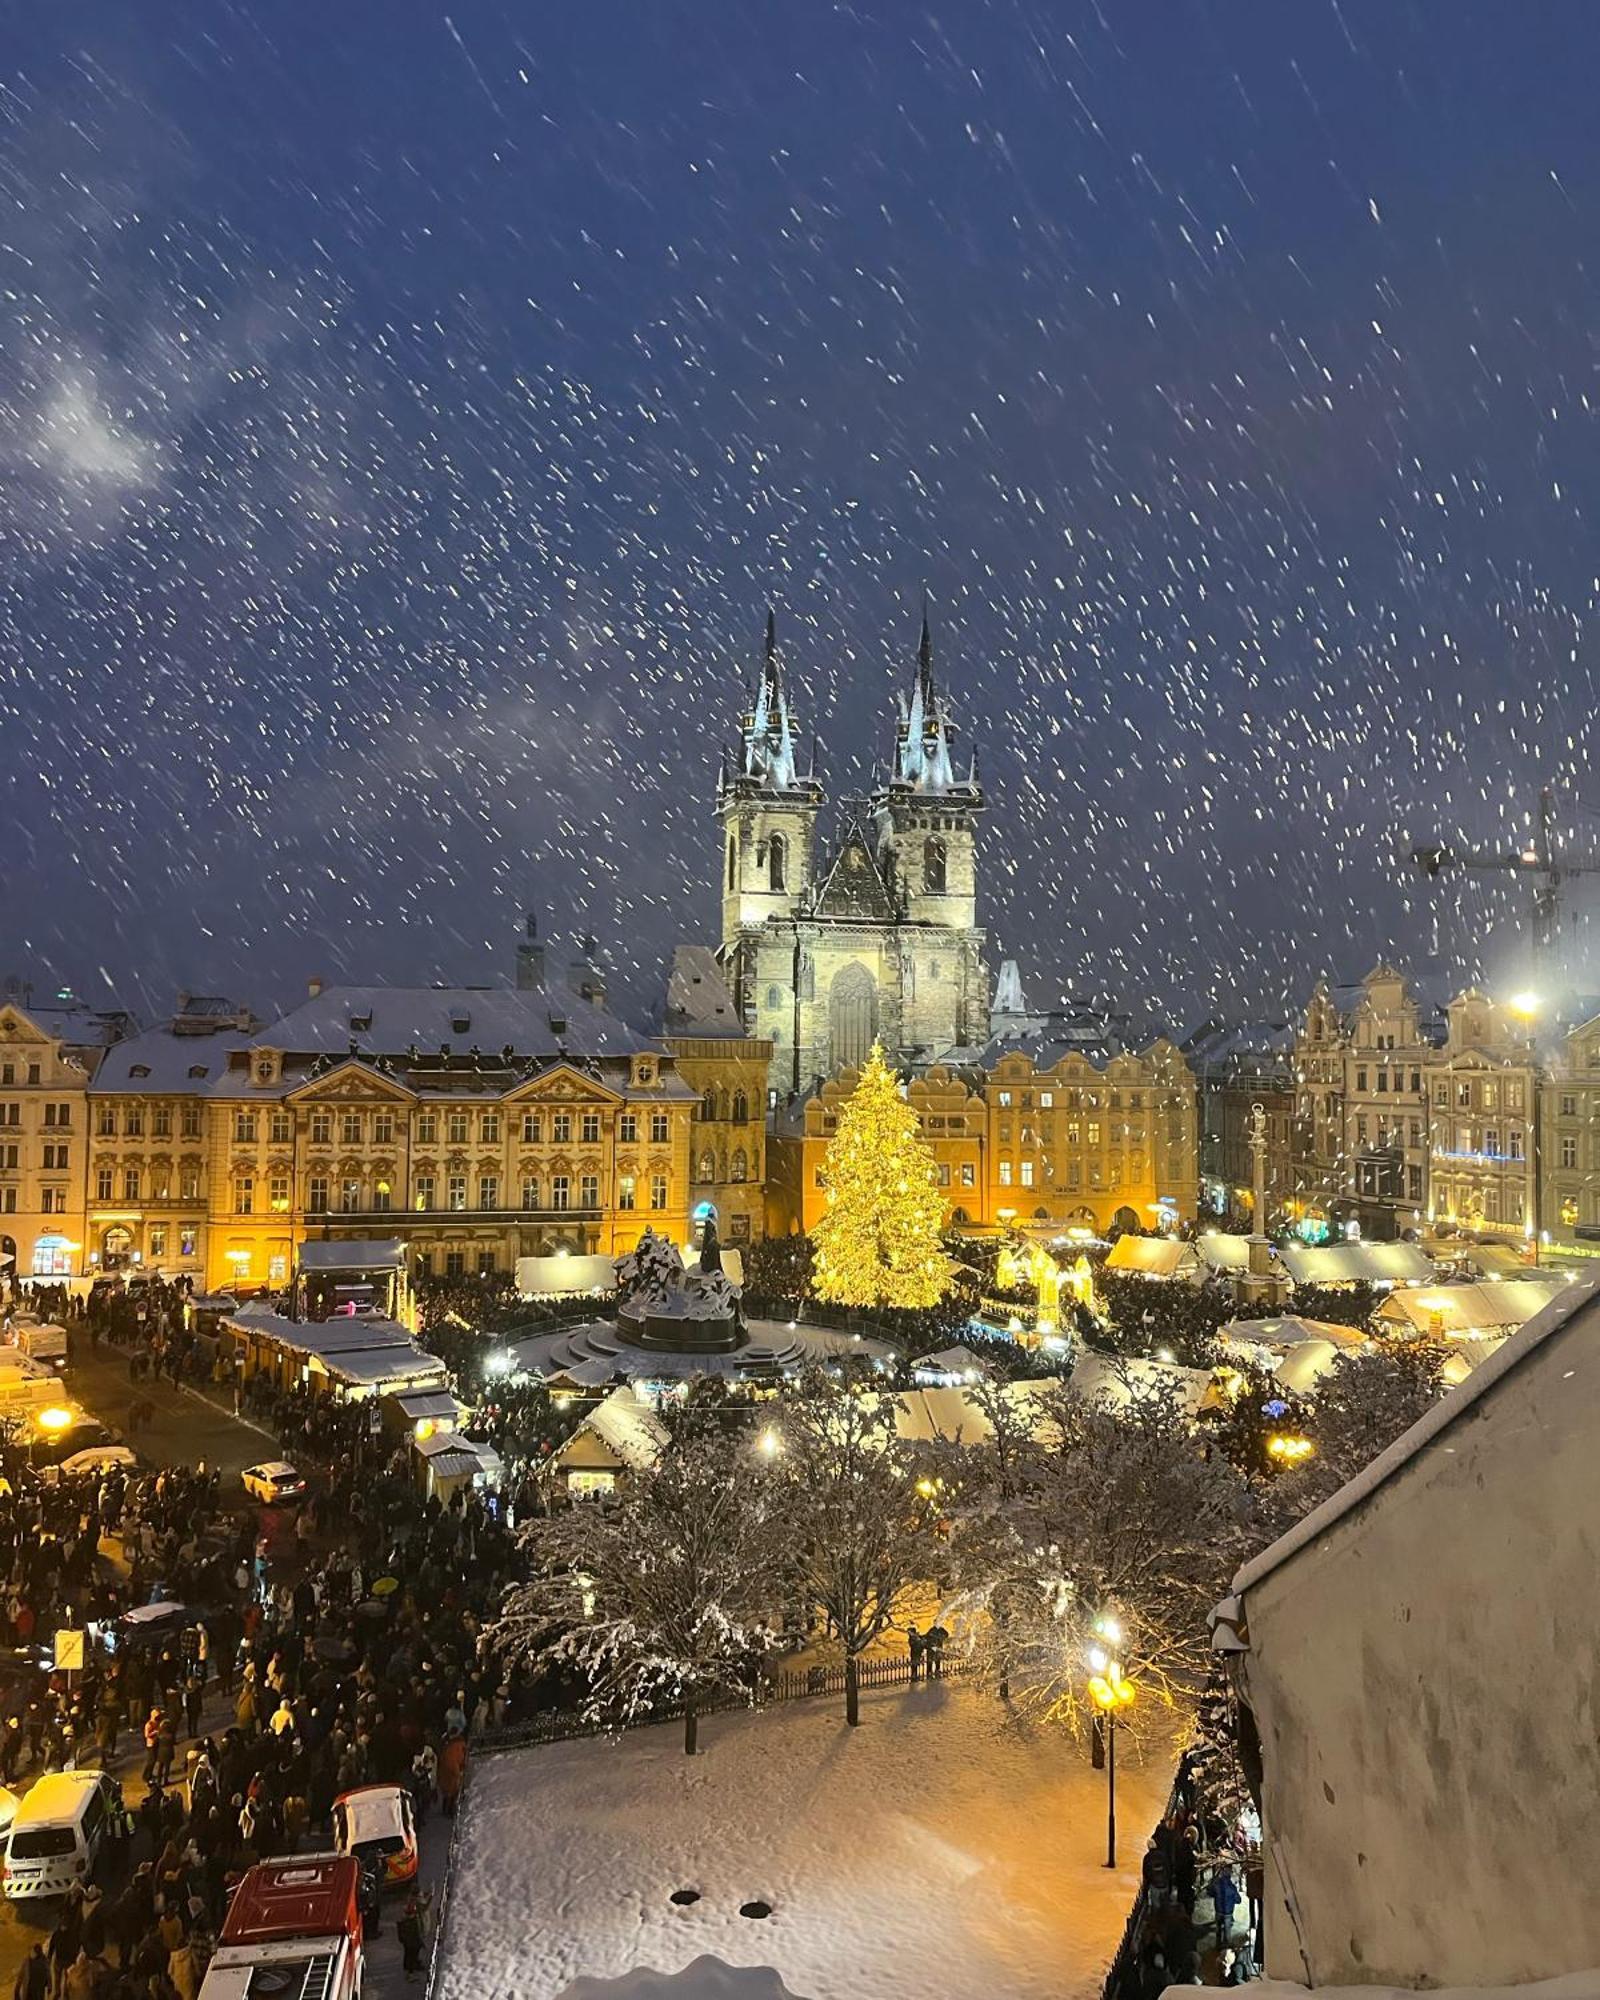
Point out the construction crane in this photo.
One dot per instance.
(1542, 860)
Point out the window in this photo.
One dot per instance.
(1513, 1096)
(933, 867)
(187, 1240)
(732, 858)
(1047, 1100)
(1491, 1142)
(105, 1119)
(706, 1167)
(244, 1195)
(278, 1193)
(628, 1128)
(1416, 1131)
(1361, 1079)
(1383, 1079)
(280, 1129)
(158, 1240)
(321, 1128)
(488, 1190)
(660, 1128)
(627, 1197)
(350, 1197)
(33, 1072)
(424, 1263)
(1569, 1152)
(944, 1173)
(1516, 1143)
(589, 1191)
(1414, 1183)
(532, 1128)
(774, 999)
(589, 1128)
(1569, 1106)
(561, 1128)
(133, 1122)
(382, 1197)
(244, 1128)
(456, 1191)
(427, 1128)
(189, 1122)
(1094, 1131)
(8, 1201)
(456, 1128)
(55, 1159)
(52, 1201)
(1441, 1096)
(658, 1190)
(455, 1263)
(1005, 1173)
(1491, 1096)
(530, 1191)
(489, 1129)
(969, 1174)
(1005, 1100)
(741, 1108)
(424, 1194)
(777, 863)
(560, 1191)
(317, 1195)
(739, 1166)
(1463, 1096)
(1027, 1173)
(189, 1184)
(57, 1115)
(383, 1128)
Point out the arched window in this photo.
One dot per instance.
(741, 1107)
(708, 1107)
(774, 997)
(777, 862)
(733, 854)
(933, 866)
(741, 1166)
(708, 1168)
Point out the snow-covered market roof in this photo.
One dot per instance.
(1356, 1263)
(1287, 1330)
(1228, 1253)
(950, 1361)
(338, 1253)
(630, 1430)
(1152, 1256)
(1411, 1444)
(1115, 1379)
(1465, 1310)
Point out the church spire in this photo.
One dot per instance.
(766, 754)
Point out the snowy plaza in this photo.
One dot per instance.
(943, 1849)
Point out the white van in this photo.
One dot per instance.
(56, 1835)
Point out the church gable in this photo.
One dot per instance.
(854, 886)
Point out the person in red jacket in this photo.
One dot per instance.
(452, 1772)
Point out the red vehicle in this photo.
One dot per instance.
(292, 1930)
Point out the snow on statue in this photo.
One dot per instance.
(878, 1242)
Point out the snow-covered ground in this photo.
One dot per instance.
(942, 1849)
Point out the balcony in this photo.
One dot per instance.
(399, 1219)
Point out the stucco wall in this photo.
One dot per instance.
(1424, 1680)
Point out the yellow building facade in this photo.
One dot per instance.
(47, 1057)
(478, 1124)
(726, 1069)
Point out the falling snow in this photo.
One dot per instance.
(405, 419)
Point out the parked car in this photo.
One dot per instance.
(95, 1458)
(57, 1833)
(273, 1482)
(147, 1625)
(377, 1823)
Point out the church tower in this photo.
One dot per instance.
(768, 812)
(927, 816)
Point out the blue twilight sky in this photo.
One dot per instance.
(407, 413)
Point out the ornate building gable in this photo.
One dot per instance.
(566, 1083)
(853, 887)
(348, 1081)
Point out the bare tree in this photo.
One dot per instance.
(1107, 1516)
(860, 1534)
(664, 1594)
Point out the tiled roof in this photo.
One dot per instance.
(390, 1019)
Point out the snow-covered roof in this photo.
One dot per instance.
(951, 1361)
(1356, 1263)
(161, 1062)
(1152, 1256)
(1470, 1309)
(1287, 1330)
(390, 1019)
(1449, 1410)
(953, 1415)
(629, 1429)
(1219, 1252)
(698, 1000)
(1117, 1378)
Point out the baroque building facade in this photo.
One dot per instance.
(873, 937)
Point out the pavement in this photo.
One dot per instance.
(187, 1426)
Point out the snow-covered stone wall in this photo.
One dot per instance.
(1425, 1676)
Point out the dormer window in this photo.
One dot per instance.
(143, 1069)
(197, 1072)
(460, 1024)
(558, 1024)
(360, 1023)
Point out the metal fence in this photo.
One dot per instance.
(1123, 1974)
(564, 1726)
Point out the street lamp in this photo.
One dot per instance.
(1111, 1695)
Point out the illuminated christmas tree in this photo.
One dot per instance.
(878, 1243)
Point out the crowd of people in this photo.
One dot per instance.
(324, 1647)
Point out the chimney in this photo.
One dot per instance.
(314, 988)
(591, 971)
(530, 958)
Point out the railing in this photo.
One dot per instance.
(563, 1726)
(1122, 1980)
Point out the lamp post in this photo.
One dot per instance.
(1111, 1694)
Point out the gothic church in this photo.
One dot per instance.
(874, 938)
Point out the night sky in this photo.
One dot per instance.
(408, 415)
